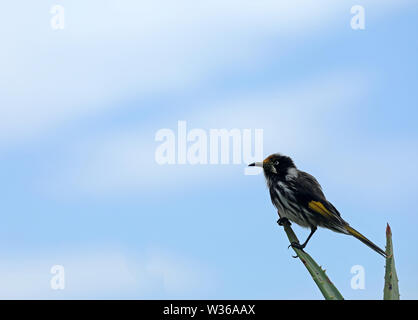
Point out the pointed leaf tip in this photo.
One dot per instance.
(388, 230)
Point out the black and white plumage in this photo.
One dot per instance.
(298, 196)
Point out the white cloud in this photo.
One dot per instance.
(124, 162)
(295, 120)
(119, 49)
(103, 274)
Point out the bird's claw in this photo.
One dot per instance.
(296, 245)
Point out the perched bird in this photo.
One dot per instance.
(298, 197)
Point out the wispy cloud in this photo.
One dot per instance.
(105, 274)
(115, 49)
(124, 161)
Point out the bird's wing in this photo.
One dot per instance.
(309, 193)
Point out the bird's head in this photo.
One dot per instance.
(275, 164)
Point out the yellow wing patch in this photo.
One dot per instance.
(320, 208)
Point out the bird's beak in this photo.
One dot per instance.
(256, 164)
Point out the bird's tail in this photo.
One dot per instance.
(363, 239)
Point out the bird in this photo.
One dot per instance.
(298, 197)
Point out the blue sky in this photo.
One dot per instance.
(80, 107)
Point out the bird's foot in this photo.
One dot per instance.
(282, 221)
(297, 245)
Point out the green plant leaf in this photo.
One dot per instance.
(327, 288)
(391, 290)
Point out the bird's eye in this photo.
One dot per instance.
(276, 163)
